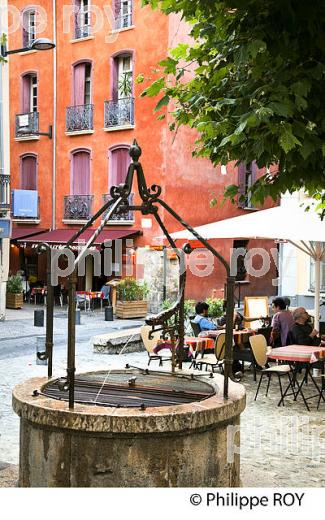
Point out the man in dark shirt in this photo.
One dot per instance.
(302, 333)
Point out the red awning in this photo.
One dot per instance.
(61, 236)
(21, 232)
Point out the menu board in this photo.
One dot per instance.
(255, 306)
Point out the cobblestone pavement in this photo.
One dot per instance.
(280, 446)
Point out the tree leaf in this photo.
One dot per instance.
(162, 103)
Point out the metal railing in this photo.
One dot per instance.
(78, 207)
(27, 124)
(119, 113)
(4, 192)
(123, 216)
(82, 32)
(123, 20)
(79, 118)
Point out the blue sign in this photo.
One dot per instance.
(25, 203)
(5, 228)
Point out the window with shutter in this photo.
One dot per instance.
(123, 13)
(29, 27)
(28, 172)
(247, 176)
(80, 184)
(120, 160)
(82, 19)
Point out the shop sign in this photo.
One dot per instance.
(5, 228)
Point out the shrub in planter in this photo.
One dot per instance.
(131, 299)
(14, 296)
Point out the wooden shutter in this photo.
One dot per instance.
(28, 173)
(241, 184)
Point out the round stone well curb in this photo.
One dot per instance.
(96, 446)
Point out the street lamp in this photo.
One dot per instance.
(39, 44)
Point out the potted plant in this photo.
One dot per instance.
(131, 299)
(14, 296)
(215, 307)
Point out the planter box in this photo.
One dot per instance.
(125, 310)
(14, 301)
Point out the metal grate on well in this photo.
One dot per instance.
(131, 390)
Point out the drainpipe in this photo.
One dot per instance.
(317, 283)
(54, 117)
(5, 189)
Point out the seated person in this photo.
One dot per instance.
(201, 318)
(302, 333)
(282, 322)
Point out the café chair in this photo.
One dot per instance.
(150, 343)
(212, 361)
(196, 328)
(322, 390)
(260, 350)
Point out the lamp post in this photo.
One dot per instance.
(39, 44)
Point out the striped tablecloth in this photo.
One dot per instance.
(302, 353)
(204, 343)
(191, 342)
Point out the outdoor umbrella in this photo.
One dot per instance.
(303, 229)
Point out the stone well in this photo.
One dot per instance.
(183, 445)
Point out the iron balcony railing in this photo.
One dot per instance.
(79, 118)
(82, 31)
(126, 215)
(123, 20)
(78, 207)
(27, 124)
(119, 113)
(4, 192)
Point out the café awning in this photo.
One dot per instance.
(21, 232)
(59, 237)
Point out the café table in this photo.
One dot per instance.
(191, 342)
(88, 298)
(301, 357)
(240, 352)
(38, 291)
(238, 335)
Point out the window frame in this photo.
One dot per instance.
(312, 275)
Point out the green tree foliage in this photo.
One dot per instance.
(252, 83)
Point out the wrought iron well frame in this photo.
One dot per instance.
(151, 201)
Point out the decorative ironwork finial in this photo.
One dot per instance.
(135, 151)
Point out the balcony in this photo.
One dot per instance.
(119, 114)
(80, 119)
(27, 125)
(125, 217)
(25, 205)
(78, 207)
(82, 31)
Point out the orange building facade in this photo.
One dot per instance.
(86, 90)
